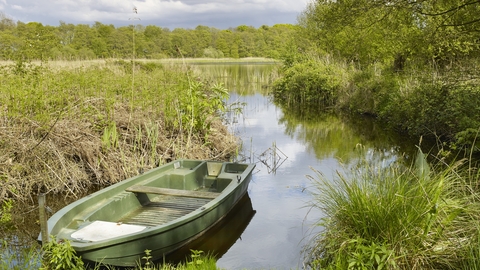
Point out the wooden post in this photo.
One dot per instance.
(43, 218)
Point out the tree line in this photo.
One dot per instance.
(35, 41)
(400, 32)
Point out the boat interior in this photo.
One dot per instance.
(156, 198)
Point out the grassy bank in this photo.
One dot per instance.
(66, 130)
(103, 62)
(388, 216)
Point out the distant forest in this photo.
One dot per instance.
(35, 41)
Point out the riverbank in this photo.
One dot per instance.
(420, 100)
(384, 215)
(391, 216)
(66, 131)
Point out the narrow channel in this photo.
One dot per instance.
(285, 148)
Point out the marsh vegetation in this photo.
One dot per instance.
(385, 215)
(413, 66)
(93, 126)
(69, 131)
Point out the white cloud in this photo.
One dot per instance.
(166, 13)
(17, 7)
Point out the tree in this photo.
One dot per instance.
(36, 40)
(158, 41)
(99, 40)
(368, 31)
(6, 23)
(203, 36)
(121, 42)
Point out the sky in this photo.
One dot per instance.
(221, 14)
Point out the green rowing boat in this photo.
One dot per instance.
(160, 210)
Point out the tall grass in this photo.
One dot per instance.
(73, 129)
(388, 216)
(68, 129)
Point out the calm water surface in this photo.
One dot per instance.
(285, 148)
(272, 225)
(277, 233)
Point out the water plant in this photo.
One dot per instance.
(18, 257)
(5, 212)
(60, 255)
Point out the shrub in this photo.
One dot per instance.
(309, 83)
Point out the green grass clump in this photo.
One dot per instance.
(388, 216)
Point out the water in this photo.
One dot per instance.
(286, 147)
(275, 236)
(273, 224)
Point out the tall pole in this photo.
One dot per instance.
(43, 218)
(133, 62)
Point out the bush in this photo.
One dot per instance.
(309, 83)
(440, 106)
(212, 53)
(368, 91)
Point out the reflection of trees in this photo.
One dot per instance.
(242, 78)
(346, 137)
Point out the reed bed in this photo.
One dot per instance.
(66, 130)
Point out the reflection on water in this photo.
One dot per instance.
(222, 236)
(283, 222)
(342, 136)
(246, 78)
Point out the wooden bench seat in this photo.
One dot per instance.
(172, 192)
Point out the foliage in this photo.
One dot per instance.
(5, 212)
(34, 41)
(386, 216)
(110, 136)
(412, 64)
(438, 104)
(205, 102)
(368, 91)
(369, 256)
(310, 82)
(19, 257)
(196, 258)
(393, 32)
(448, 110)
(60, 255)
(212, 53)
(74, 128)
(148, 265)
(197, 261)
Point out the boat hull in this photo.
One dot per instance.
(160, 235)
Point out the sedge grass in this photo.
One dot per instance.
(395, 217)
(67, 130)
